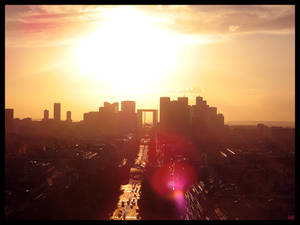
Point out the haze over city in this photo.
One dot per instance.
(157, 112)
(240, 58)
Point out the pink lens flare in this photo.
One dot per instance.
(165, 181)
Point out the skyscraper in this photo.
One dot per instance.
(213, 111)
(220, 118)
(112, 108)
(56, 112)
(128, 106)
(108, 118)
(69, 116)
(174, 114)
(127, 117)
(183, 100)
(46, 114)
(116, 107)
(163, 110)
(199, 100)
(9, 120)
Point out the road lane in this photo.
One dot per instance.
(127, 207)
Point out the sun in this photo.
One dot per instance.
(128, 52)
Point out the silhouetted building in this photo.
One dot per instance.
(140, 115)
(46, 114)
(9, 120)
(183, 100)
(220, 119)
(205, 120)
(127, 117)
(69, 116)
(113, 108)
(213, 111)
(163, 111)
(105, 121)
(174, 114)
(108, 118)
(199, 100)
(91, 116)
(201, 119)
(128, 106)
(56, 115)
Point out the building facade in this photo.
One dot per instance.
(56, 114)
(46, 114)
(69, 119)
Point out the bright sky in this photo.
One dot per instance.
(241, 59)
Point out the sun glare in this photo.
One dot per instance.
(128, 52)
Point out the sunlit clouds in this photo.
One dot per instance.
(205, 20)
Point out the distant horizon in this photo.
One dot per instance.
(232, 122)
(265, 122)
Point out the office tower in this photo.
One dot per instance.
(174, 114)
(179, 113)
(108, 118)
(106, 104)
(69, 116)
(111, 108)
(163, 110)
(213, 111)
(127, 117)
(128, 106)
(116, 107)
(56, 112)
(199, 100)
(46, 114)
(85, 117)
(220, 119)
(183, 100)
(91, 117)
(9, 120)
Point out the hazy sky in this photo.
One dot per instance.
(240, 59)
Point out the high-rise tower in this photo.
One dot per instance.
(56, 114)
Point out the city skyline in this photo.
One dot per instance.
(68, 54)
(127, 106)
(46, 116)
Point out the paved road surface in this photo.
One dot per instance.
(127, 207)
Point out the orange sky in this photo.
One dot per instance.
(241, 59)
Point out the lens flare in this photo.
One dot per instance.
(178, 196)
(173, 177)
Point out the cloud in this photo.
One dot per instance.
(65, 21)
(216, 19)
(40, 26)
(233, 28)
